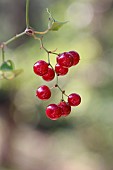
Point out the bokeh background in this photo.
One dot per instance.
(84, 139)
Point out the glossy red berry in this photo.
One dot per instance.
(40, 67)
(49, 75)
(53, 111)
(43, 92)
(66, 108)
(76, 57)
(74, 99)
(65, 59)
(61, 71)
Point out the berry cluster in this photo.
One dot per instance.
(44, 69)
(66, 60)
(47, 72)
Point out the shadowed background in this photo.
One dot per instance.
(84, 139)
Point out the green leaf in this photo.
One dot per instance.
(57, 25)
(7, 70)
(11, 63)
(54, 25)
(7, 65)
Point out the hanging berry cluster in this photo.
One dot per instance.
(45, 69)
(41, 68)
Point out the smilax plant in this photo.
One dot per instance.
(45, 69)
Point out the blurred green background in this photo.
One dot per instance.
(84, 139)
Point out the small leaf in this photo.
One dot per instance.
(7, 65)
(57, 25)
(11, 63)
(54, 25)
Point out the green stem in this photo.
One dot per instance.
(48, 58)
(3, 54)
(27, 13)
(53, 53)
(62, 97)
(62, 91)
(27, 25)
(42, 46)
(56, 79)
(14, 38)
(59, 88)
(42, 33)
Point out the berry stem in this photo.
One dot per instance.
(59, 87)
(56, 79)
(48, 59)
(62, 97)
(53, 53)
(62, 91)
(42, 45)
(48, 52)
(27, 13)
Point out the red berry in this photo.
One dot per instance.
(40, 67)
(43, 92)
(49, 75)
(53, 111)
(65, 59)
(76, 57)
(61, 71)
(74, 99)
(66, 108)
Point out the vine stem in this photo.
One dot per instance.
(27, 27)
(42, 33)
(3, 55)
(14, 38)
(27, 13)
(3, 44)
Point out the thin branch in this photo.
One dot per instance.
(3, 54)
(42, 33)
(27, 13)
(14, 38)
